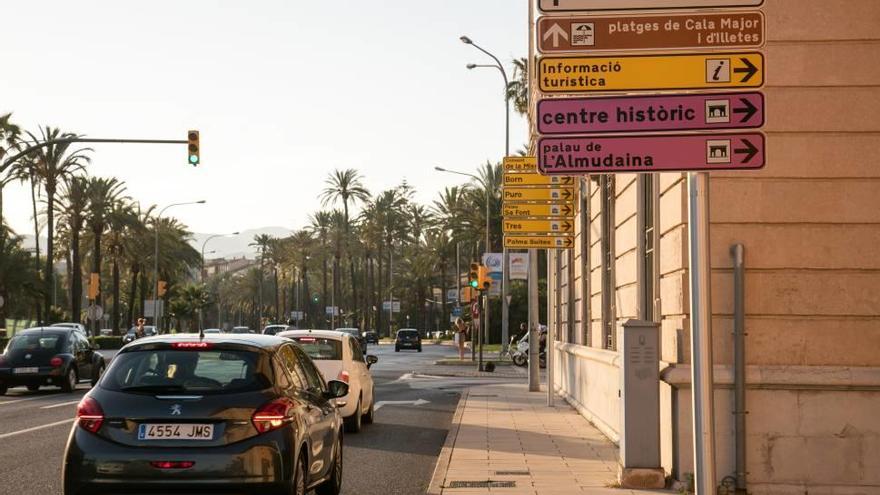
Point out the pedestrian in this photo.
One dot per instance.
(460, 330)
(139, 330)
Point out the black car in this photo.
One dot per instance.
(408, 338)
(49, 356)
(371, 337)
(354, 332)
(222, 413)
(149, 331)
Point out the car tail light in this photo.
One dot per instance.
(89, 414)
(56, 362)
(192, 345)
(272, 415)
(343, 376)
(172, 464)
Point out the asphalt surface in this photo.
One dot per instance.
(395, 455)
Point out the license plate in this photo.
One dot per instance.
(26, 371)
(175, 432)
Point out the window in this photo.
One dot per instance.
(288, 358)
(606, 183)
(313, 376)
(320, 348)
(357, 353)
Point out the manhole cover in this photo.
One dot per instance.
(482, 484)
(511, 473)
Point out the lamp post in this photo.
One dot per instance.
(505, 275)
(202, 273)
(156, 261)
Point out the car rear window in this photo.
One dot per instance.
(408, 333)
(320, 348)
(180, 371)
(43, 341)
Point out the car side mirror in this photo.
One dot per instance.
(371, 360)
(336, 389)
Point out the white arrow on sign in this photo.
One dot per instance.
(418, 402)
(556, 31)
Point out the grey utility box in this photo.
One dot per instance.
(640, 395)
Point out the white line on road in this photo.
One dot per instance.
(53, 406)
(381, 403)
(21, 400)
(35, 428)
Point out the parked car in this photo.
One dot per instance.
(339, 355)
(371, 337)
(408, 338)
(356, 333)
(274, 329)
(212, 330)
(79, 327)
(241, 412)
(241, 330)
(56, 356)
(106, 332)
(149, 331)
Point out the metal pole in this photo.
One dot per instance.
(485, 329)
(702, 385)
(737, 251)
(390, 289)
(552, 330)
(505, 271)
(534, 317)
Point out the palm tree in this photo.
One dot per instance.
(70, 209)
(518, 88)
(262, 241)
(301, 245)
(9, 135)
(138, 251)
(104, 195)
(189, 302)
(18, 280)
(49, 166)
(345, 186)
(320, 224)
(121, 221)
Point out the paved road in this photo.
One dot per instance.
(396, 455)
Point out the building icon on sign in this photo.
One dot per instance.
(718, 151)
(717, 111)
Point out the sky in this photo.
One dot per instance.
(282, 91)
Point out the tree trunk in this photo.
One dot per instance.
(306, 295)
(277, 300)
(34, 186)
(132, 301)
(114, 317)
(380, 295)
(76, 276)
(444, 289)
(140, 300)
(98, 232)
(324, 295)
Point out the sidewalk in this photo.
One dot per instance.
(505, 440)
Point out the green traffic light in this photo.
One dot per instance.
(194, 159)
(474, 284)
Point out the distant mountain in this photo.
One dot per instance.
(226, 247)
(236, 246)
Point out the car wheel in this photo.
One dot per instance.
(298, 483)
(353, 422)
(96, 375)
(33, 388)
(370, 416)
(69, 384)
(333, 486)
(396, 349)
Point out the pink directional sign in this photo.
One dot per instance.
(654, 153)
(651, 113)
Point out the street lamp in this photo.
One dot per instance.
(505, 275)
(202, 273)
(156, 261)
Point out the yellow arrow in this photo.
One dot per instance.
(555, 194)
(651, 72)
(515, 210)
(513, 225)
(539, 242)
(519, 179)
(521, 164)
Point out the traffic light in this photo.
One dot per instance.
(163, 287)
(315, 298)
(484, 279)
(474, 276)
(192, 139)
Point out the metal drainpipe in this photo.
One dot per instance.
(737, 252)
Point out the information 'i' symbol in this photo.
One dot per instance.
(717, 71)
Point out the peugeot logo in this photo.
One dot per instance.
(176, 410)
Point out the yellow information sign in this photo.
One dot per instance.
(539, 241)
(555, 194)
(521, 164)
(512, 225)
(520, 179)
(521, 210)
(651, 72)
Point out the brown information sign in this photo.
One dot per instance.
(584, 34)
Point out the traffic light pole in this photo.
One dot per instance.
(485, 328)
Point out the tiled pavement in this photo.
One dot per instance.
(503, 433)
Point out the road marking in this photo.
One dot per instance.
(381, 403)
(22, 400)
(53, 406)
(35, 428)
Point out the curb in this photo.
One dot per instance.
(442, 466)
